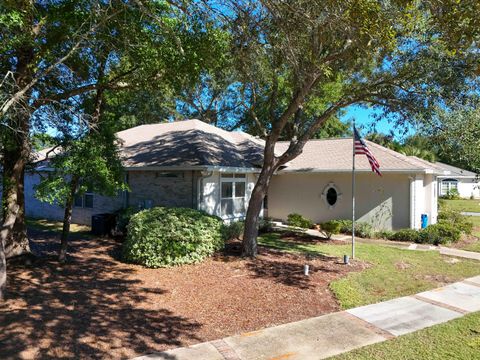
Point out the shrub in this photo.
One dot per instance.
(440, 233)
(410, 235)
(298, 220)
(330, 227)
(455, 218)
(452, 194)
(345, 226)
(385, 234)
(233, 231)
(161, 237)
(362, 229)
(265, 225)
(122, 218)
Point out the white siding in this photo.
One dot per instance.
(209, 196)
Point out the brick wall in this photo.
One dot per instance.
(171, 188)
(176, 189)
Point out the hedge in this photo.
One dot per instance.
(162, 237)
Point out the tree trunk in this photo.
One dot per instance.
(255, 204)
(67, 220)
(17, 242)
(10, 215)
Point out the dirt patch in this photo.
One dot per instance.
(441, 280)
(465, 241)
(401, 265)
(98, 307)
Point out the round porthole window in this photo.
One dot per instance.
(331, 195)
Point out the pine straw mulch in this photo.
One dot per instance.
(98, 307)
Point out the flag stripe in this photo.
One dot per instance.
(361, 148)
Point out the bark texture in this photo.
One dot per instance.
(67, 220)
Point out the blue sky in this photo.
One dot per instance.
(365, 122)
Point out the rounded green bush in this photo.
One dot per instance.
(300, 221)
(362, 229)
(330, 227)
(410, 235)
(441, 233)
(162, 237)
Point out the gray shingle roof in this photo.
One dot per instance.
(332, 155)
(189, 143)
(195, 144)
(455, 171)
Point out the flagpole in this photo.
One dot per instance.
(353, 193)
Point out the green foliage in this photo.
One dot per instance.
(362, 229)
(330, 227)
(455, 218)
(233, 231)
(122, 219)
(410, 235)
(452, 194)
(163, 237)
(385, 234)
(265, 225)
(94, 160)
(437, 234)
(298, 220)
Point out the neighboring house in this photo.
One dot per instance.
(465, 182)
(193, 164)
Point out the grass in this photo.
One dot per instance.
(393, 273)
(456, 339)
(464, 205)
(56, 226)
(476, 222)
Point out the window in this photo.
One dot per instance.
(84, 201)
(233, 190)
(448, 185)
(331, 195)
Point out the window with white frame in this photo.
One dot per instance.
(448, 185)
(232, 195)
(84, 201)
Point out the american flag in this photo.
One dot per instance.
(362, 149)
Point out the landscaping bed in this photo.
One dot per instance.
(98, 307)
(393, 272)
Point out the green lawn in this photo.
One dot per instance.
(394, 272)
(456, 339)
(476, 222)
(464, 205)
(476, 231)
(56, 226)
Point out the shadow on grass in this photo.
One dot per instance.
(275, 241)
(89, 308)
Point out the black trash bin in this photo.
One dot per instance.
(102, 224)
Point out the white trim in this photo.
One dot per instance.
(393, 171)
(331, 185)
(233, 180)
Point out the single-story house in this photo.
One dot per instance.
(194, 164)
(465, 182)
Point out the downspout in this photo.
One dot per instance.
(413, 199)
(203, 175)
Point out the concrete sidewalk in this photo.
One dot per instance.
(328, 335)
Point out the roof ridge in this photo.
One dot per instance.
(394, 153)
(325, 139)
